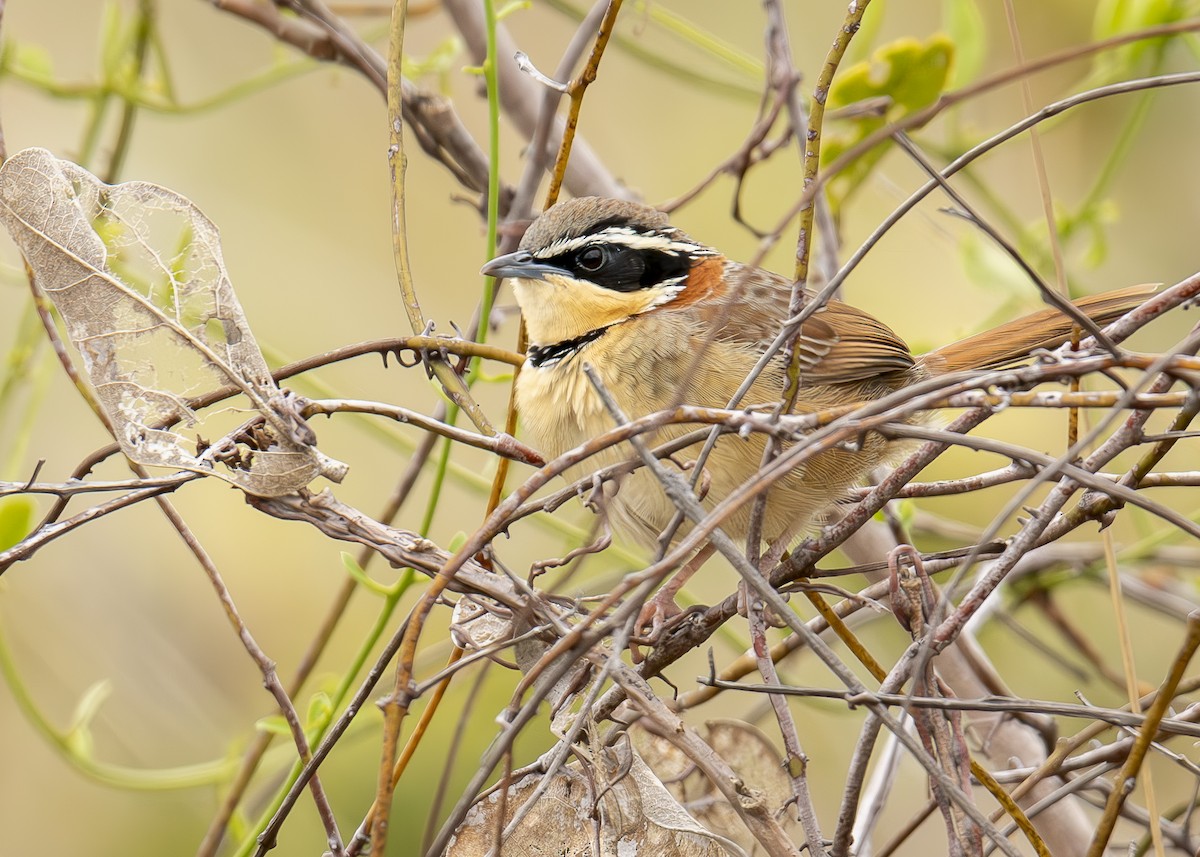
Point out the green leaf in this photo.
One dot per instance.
(911, 74)
(79, 735)
(511, 8)
(16, 520)
(273, 724)
(1114, 17)
(31, 62)
(985, 263)
(359, 574)
(964, 24)
(320, 711)
(1096, 250)
(441, 60)
(239, 825)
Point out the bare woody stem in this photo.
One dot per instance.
(575, 91)
(1141, 745)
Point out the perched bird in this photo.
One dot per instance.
(612, 284)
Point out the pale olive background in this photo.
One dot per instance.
(296, 178)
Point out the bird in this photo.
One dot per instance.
(664, 319)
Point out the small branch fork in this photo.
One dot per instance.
(913, 601)
(575, 91)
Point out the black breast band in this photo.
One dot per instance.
(548, 355)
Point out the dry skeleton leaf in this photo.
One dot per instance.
(135, 271)
(626, 809)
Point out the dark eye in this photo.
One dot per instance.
(591, 258)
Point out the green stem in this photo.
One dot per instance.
(439, 476)
(383, 622)
(119, 776)
(1112, 164)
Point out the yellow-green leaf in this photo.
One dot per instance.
(273, 724)
(964, 25)
(359, 574)
(16, 519)
(911, 74)
(31, 62)
(1114, 17)
(79, 735)
(320, 710)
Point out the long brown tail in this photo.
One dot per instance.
(1012, 342)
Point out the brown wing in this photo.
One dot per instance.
(839, 344)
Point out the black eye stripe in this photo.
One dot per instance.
(624, 269)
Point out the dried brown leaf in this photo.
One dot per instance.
(636, 815)
(136, 272)
(747, 751)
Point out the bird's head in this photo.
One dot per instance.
(590, 263)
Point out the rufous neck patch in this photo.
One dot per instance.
(705, 280)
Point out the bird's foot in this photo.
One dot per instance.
(770, 616)
(657, 616)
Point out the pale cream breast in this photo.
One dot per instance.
(560, 407)
(644, 363)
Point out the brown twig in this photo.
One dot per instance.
(322, 35)
(254, 752)
(503, 445)
(575, 92)
(796, 762)
(519, 97)
(1137, 753)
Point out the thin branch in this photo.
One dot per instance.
(1137, 753)
(575, 91)
(503, 445)
(586, 174)
(323, 36)
(47, 533)
(1111, 716)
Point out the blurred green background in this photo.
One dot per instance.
(295, 175)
